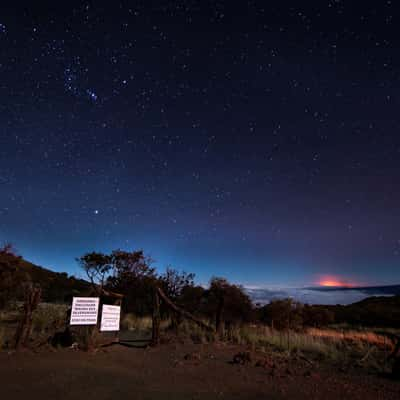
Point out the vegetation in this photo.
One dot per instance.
(327, 332)
(372, 312)
(132, 275)
(16, 273)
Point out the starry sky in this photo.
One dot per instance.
(254, 140)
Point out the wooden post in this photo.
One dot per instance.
(116, 335)
(32, 300)
(156, 319)
(181, 312)
(219, 316)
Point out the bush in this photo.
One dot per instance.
(283, 314)
(132, 322)
(49, 318)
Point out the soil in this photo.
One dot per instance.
(180, 371)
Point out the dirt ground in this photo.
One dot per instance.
(179, 371)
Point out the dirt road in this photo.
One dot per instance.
(177, 372)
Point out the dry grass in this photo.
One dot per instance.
(8, 324)
(264, 336)
(132, 322)
(352, 336)
(197, 334)
(364, 349)
(49, 318)
(344, 345)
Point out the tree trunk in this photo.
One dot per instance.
(32, 299)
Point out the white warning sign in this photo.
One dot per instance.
(84, 311)
(110, 317)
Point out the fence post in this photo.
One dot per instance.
(219, 317)
(156, 318)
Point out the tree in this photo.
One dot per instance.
(193, 299)
(13, 278)
(98, 267)
(124, 273)
(8, 249)
(174, 282)
(228, 303)
(129, 266)
(283, 314)
(317, 316)
(133, 276)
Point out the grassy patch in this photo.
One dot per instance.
(49, 318)
(132, 322)
(351, 348)
(193, 331)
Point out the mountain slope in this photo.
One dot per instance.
(372, 311)
(56, 287)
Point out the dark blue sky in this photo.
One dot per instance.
(257, 141)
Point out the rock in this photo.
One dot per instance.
(242, 358)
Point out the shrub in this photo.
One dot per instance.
(48, 319)
(132, 322)
(283, 314)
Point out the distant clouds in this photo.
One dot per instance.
(319, 295)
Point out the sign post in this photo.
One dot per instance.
(84, 311)
(110, 318)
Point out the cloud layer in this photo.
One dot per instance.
(317, 295)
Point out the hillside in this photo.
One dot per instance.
(56, 287)
(373, 311)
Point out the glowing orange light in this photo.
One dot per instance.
(331, 283)
(334, 282)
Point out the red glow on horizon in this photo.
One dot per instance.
(330, 281)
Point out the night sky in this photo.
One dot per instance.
(256, 140)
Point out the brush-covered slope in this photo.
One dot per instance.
(56, 287)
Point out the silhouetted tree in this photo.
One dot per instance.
(133, 276)
(193, 299)
(98, 267)
(228, 303)
(123, 272)
(13, 278)
(317, 316)
(283, 314)
(174, 282)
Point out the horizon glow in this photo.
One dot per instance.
(335, 281)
